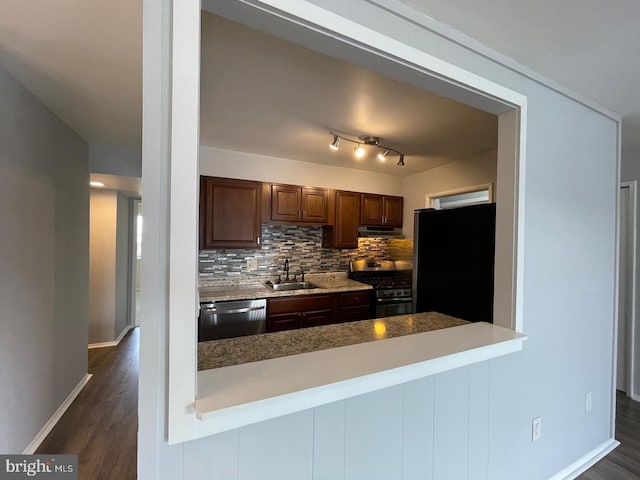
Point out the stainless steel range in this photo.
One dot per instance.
(391, 281)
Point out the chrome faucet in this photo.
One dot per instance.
(286, 269)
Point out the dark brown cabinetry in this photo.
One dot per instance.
(229, 213)
(286, 313)
(353, 306)
(380, 211)
(290, 203)
(344, 231)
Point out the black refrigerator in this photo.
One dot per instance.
(454, 254)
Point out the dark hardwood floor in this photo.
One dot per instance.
(624, 462)
(101, 425)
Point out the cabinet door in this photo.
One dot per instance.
(371, 210)
(285, 203)
(229, 213)
(317, 318)
(353, 314)
(347, 219)
(392, 211)
(314, 205)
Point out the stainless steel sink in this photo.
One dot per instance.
(291, 286)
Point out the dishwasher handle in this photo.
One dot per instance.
(230, 310)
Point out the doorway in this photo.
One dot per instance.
(135, 258)
(626, 292)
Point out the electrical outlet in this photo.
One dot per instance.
(588, 402)
(252, 264)
(536, 429)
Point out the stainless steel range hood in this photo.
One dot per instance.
(380, 232)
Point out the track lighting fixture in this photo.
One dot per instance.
(359, 151)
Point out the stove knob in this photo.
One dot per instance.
(407, 292)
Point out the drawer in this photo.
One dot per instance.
(303, 303)
(355, 298)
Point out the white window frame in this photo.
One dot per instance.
(432, 200)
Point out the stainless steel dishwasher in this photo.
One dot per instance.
(231, 319)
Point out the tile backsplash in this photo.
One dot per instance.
(302, 245)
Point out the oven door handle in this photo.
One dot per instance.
(384, 301)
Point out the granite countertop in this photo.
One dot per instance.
(235, 351)
(328, 283)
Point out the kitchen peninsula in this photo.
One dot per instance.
(253, 348)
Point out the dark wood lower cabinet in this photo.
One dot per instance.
(288, 313)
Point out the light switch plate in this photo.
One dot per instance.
(588, 402)
(536, 429)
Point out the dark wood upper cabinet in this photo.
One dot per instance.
(381, 211)
(294, 204)
(344, 231)
(285, 203)
(392, 208)
(230, 213)
(315, 205)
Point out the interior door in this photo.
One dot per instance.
(625, 288)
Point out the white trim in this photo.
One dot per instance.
(42, 434)
(431, 197)
(631, 354)
(183, 229)
(635, 398)
(434, 74)
(113, 343)
(616, 284)
(585, 462)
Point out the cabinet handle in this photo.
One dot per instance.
(258, 240)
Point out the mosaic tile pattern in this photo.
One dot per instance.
(302, 245)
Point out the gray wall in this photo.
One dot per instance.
(473, 422)
(44, 246)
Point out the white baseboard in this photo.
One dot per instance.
(635, 397)
(114, 342)
(587, 461)
(42, 434)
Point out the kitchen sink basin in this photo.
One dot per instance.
(291, 286)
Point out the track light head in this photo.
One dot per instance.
(334, 145)
(401, 161)
(359, 151)
(383, 155)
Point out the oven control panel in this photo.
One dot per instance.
(393, 293)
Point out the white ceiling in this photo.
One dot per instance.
(261, 94)
(83, 60)
(590, 46)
